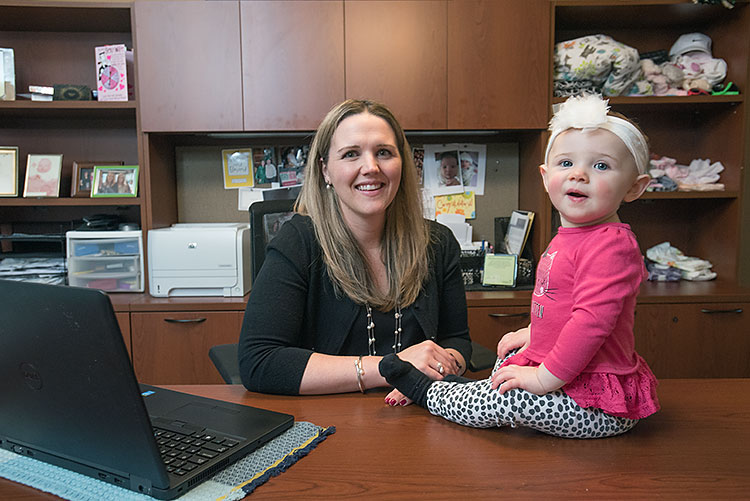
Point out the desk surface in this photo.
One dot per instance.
(696, 446)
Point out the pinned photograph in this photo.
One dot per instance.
(292, 165)
(115, 181)
(238, 168)
(442, 172)
(43, 175)
(264, 167)
(8, 171)
(472, 159)
(418, 154)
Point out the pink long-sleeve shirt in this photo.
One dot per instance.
(582, 314)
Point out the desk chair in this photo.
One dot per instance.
(265, 219)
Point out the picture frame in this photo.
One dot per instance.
(43, 175)
(115, 181)
(8, 171)
(82, 177)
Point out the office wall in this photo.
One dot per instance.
(201, 197)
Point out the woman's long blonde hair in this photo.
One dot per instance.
(405, 236)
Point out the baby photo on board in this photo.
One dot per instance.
(442, 172)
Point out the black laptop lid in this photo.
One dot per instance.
(59, 347)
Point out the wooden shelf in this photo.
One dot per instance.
(681, 195)
(67, 109)
(68, 202)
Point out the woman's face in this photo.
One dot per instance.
(448, 168)
(364, 167)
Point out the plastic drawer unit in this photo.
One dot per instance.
(108, 260)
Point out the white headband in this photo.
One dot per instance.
(590, 112)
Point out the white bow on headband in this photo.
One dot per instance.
(590, 112)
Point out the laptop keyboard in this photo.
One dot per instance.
(183, 453)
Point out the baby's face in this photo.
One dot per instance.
(449, 167)
(588, 175)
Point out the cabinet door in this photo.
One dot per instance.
(172, 348)
(487, 324)
(694, 340)
(292, 62)
(498, 64)
(123, 319)
(395, 54)
(188, 57)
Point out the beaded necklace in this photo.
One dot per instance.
(371, 331)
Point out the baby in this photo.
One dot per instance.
(573, 372)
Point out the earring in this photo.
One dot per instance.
(328, 185)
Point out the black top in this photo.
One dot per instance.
(293, 310)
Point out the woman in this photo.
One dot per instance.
(357, 273)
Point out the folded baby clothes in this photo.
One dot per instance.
(611, 66)
(691, 268)
(700, 175)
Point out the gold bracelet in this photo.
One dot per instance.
(360, 372)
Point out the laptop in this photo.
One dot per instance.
(70, 398)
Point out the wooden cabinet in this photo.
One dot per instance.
(55, 45)
(292, 62)
(123, 320)
(189, 65)
(396, 54)
(172, 347)
(694, 339)
(498, 64)
(487, 324)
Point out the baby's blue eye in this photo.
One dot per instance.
(566, 163)
(601, 166)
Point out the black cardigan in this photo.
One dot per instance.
(293, 310)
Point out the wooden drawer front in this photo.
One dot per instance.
(694, 340)
(487, 324)
(172, 348)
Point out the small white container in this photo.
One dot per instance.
(108, 260)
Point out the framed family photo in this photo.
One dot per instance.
(8, 171)
(83, 177)
(115, 181)
(43, 175)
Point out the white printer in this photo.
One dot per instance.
(199, 259)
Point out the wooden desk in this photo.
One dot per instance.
(696, 447)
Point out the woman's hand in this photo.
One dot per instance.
(395, 398)
(517, 339)
(430, 358)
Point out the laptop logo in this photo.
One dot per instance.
(31, 376)
(147, 393)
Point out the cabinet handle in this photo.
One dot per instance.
(734, 310)
(508, 315)
(185, 320)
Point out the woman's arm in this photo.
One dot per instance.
(452, 328)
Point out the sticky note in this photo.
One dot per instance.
(500, 269)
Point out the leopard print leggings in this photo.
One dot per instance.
(476, 404)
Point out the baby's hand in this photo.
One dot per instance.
(536, 380)
(517, 339)
(517, 376)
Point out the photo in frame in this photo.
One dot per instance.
(8, 171)
(115, 181)
(43, 175)
(83, 177)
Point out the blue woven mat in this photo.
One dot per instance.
(230, 484)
